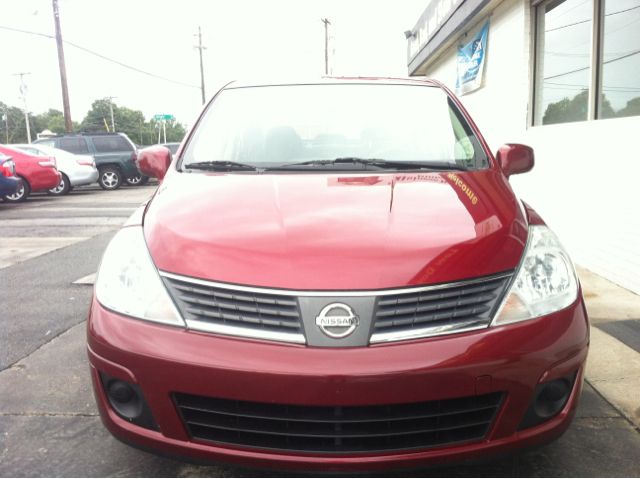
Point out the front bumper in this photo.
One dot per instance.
(165, 360)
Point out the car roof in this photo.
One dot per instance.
(82, 134)
(328, 80)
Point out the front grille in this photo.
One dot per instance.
(339, 429)
(206, 306)
(449, 308)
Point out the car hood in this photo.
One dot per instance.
(335, 231)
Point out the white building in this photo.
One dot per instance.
(562, 76)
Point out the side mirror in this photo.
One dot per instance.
(515, 159)
(154, 161)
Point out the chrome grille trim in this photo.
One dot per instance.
(332, 293)
(449, 310)
(231, 312)
(295, 338)
(458, 307)
(377, 338)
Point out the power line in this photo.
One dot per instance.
(101, 56)
(586, 68)
(588, 20)
(624, 88)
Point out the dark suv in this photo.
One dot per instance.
(114, 153)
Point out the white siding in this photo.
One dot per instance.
(585, 182)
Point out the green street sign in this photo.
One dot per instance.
(163, 117)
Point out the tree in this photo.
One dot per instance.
(632, 108)
(57, 125)
(49, 114)
(94, 120)
(565, 110)
(175, 131)
(130, 122)
(16, 123)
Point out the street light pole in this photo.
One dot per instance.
(200, 47)
(23, 90)
(326, 44)
(6, 122)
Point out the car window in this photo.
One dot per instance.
(77, 146)
(173, 148)
(51, 143)
(111, 144)
(32, 151)
(277, 125)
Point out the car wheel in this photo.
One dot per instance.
(21, 195)
(136, 180)
(62, 189)
(110, 178)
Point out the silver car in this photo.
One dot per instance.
(76, 170)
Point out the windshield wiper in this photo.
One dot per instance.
(399, 165)
(219, 165)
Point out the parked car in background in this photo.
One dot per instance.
(172, 147)
(10, 183)
(114, 154)
(76, 170)
(37, 172)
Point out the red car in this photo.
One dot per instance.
(336, 276)
(38, 173)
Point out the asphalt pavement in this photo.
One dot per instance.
(49, 424)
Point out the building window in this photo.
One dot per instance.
(620, 85)
(585, 44)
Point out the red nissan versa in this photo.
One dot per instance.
(336, 276)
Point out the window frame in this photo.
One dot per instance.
(117, 139)
(79, 141)
(595, 62)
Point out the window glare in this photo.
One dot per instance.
(275, 125)
(620, 93)
(563, 50)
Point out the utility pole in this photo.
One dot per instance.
(326, 44)
(23, 90)
(113, 123)
(6, 122)
(63, 71)
(200, 47)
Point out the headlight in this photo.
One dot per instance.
(128, 282)
(545, 283)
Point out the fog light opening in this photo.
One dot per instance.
(121, 392)
(553, 397)
(124, 399)
(549, 399)
(127, 401)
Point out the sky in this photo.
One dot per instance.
(243, 40)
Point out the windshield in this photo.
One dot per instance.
(275, 126)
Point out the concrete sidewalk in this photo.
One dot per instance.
(613, 366)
